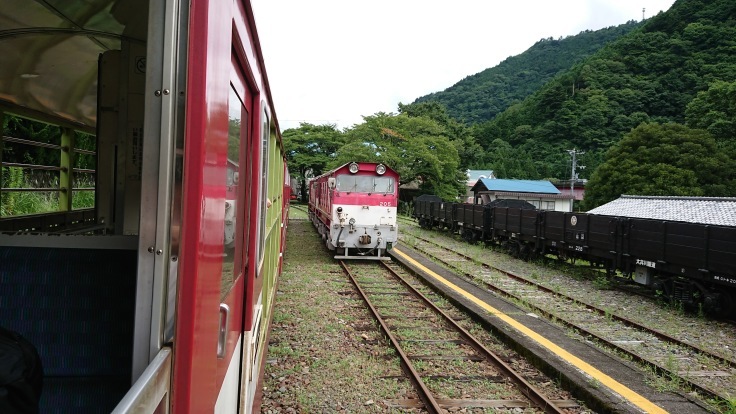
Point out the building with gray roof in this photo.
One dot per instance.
(703, 210)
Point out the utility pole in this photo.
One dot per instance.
(574, 176)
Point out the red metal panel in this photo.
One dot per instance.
(246, 43)
(195, 382)
(356, 199)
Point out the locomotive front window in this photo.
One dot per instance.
(365, 184)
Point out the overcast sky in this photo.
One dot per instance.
(335, 61)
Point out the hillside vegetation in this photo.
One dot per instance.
(480, 97)
(679, 67)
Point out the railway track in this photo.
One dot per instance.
(449, 368)
(678, 362)
(301, 208)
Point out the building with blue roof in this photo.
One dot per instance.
(541, 193)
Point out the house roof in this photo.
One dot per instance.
(704, 210)
(515, 186)
(531, 196)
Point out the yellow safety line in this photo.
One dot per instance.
(604, 379)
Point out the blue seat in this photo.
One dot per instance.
(77, 307)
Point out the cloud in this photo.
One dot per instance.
(334, 61)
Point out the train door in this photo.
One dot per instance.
(236, 264)
(208, 341)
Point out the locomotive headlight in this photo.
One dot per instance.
(353, 167)
(380, 169)
(352, 221)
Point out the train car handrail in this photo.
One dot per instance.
(51, 222)
(31, 142)
(65, 171)
(151, 389)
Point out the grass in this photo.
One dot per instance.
(727, 406)
(319, 361)
(18, 203)
(603, 282)
(667, 381)
(299, 212)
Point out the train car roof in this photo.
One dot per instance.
(361, 163)
(702, 210)
(50, 50)
(516, 186)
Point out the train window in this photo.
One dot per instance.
(232, 237)
(365, 184)
(36, 174)
(383, 184)
(264, 185)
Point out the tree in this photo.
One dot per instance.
(416, 147)
(310, 148)
(460, 135)
(715, 111)
(664, 160)
(509, 162)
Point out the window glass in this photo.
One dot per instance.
(365, 184)
(549, 205)
(232, 236)
(264, 185)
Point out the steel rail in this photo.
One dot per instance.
(430, 404)
(523, 385)
(659, 369)
(626, 321)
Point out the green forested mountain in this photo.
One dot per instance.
(479, 97)
(649, 75)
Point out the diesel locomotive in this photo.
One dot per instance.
(354, 208)
(691, 263)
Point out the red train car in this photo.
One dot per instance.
(354, 208)
(158, 297)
